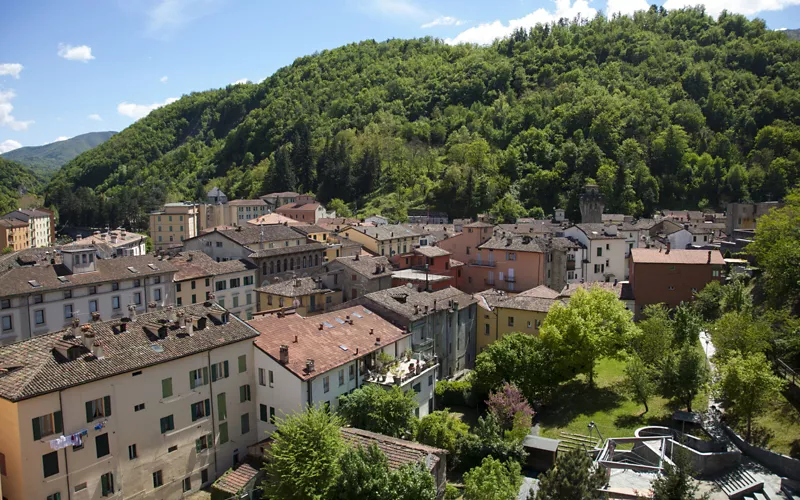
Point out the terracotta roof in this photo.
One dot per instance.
(620, 288)
(388, 231)
(235, 480)
(309, 246)
(537, 227)
(410, 303)
(13, 223)
(431, 251)
(294, 288)
(478, 224)
(598, 231)
(399, 452)
(366, 265)
(516, 243)
(653, 256)
(311, 228)
(541, 291)
(195, 264)
(324, 346)
(41, 370)
(16, 281)
(271, 219)
(333, 222)
(563, 244)
(299, 206)
(257, 201)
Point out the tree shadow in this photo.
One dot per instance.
(760, 436)
(641, 420)
(576, 398)
(794, 449)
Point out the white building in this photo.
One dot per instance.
(116, 243)
(39, 225)
(377, 220)
(162, 406)
(49, 296)
(605, 251)
(303, 362)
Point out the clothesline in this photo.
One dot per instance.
(75, 439)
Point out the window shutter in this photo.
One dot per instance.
(213, 373)
(37, 430)
(58, 422)
(263, 409)
(107, 405)
(208, 407)
(226, 368)
(89, 412)
(191, 380)
(221, 406)
(198, 446)
(205, 375)
(241, 393)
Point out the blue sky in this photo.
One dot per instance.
(67, 68)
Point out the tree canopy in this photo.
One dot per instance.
(376, 409)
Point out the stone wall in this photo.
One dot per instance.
(779, 464)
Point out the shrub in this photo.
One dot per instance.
(454, 393)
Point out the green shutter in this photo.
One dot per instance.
(198, 445)
(263, 409)
(89, 412)
(241, 394)
(191, 380)
(208, 407)
(223, 433)
(37, 429)
(214, 373)
(205, 375)
(166, 387)
(107, 405)
(221, 407)
(242, 363)
(58, 422)
(226, 368)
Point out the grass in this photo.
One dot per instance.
(778, 429)
(574, 405)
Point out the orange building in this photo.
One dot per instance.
(464, 245)
(435, 260)
(14, 234)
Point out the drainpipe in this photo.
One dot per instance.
(66, 455)
(213, 420)
(309, 398)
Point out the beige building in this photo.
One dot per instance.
(305, 295)
(388, 240)
(153, 408)
(14, 234)
(40, 225)
(173, 224)
(116, 243)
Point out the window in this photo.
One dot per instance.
(132, 452)
(235, 282)
(486, 329)
(38, 299)
(269, 300)
(172, 448)
(599, 251)
(198, 377)
(68, 311)
(54, 496)
(242, 363)
(157, 294)
(158, 479)
(46, 425)
(326, 384)
(261, 377)
(187, 484)
(115, 302)
(39, 316)
(157, 280)
(114, 286)
(201, 409)
(68, 294)
(271, 414)
(167, 424)
(417, 388)
(178, 287)
(219, 244)
(245, 423)
(244, 393)
(670, 288)
(352, 374)
(223, 433)
(529, 324)
(5, 304)
(341, 377)
(101, 444)
(179, 301)
(235, 301)
(7, 323)
(714, 273)
(204, 442)
(93, 306)
(262, 412)
(166, 388)
(204, 476)
(220, 285)
(137, 298)
(137, 283)
(107, 484)
(511, 321)
(271, 378)
(50, 464)
(222, 410)
(219, 370)
(430, 380)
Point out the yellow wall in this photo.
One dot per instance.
(199, 291)
(498, 324)
(321, 236)
(367, 242)
(305, 300)
(11, 485)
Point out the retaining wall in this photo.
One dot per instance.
(779, 464)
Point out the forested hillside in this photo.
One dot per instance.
(15, 181)
(45, 160)
(673, 110)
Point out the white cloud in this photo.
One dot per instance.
(625, 7)
(61, 138)
(168, 16)
(82, 53)
(163, 79)
(443, 21)
(9, 145)
(95, 117)
(241, 81)
(137, 111)
(746, 7)
(485, 34)
(13, 69)
(6, 118)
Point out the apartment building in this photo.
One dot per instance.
(431, 268)
(40, 225)
(230, 283)
(173, 224)
(14, 234)
(509, 263)
(463, 246)
(605, 251)
(275, 200)
(746, 215)
(238, 212)
(357, 275)
(116, 243)
(156, 407)
(304, 209)
(388, 240)
(304, 362)
(305, 295)
(75, 286)
(500, 313)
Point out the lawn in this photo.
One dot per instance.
(574, 405)
(777, 430)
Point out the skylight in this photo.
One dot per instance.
(342, 347)
(133, 270)
(367, 311)
(325, 323)
(357, 315)
(63, 279)
(157, 348)
(34, 284)
(339, 320)
(153, 267)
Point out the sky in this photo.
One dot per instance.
(67, 68)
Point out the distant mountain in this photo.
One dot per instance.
(16, 180)
(46, 160)
(793, 34)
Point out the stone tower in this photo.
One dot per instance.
(592, 204)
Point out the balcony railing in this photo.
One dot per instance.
(482, 263)
(422, 345)
(488, 281)
(511, 279)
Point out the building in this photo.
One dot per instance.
(14, 234)
(442, 323)
(431, 234)
(216, 197)
(230, 283)
(377, 220)
(173, 224)
(305, 295)
(270, 219)
(400, 452)
(500, 313)
(622, 289)
(116, 243)
(463, 245)
(388, 240)
(563, 258)
(431, 265)
(239, 212)
(40, 225)
(671, 276)
(510, 263)
(591, 204)
(605, 251)
(304, 209)
(746, 215)
(76, 286)
(341, 247)
(312, 361)
(156, 407)
(357, 275)
(275, 200)
(422, 216)
(336, 224)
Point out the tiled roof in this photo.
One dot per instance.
(563, 244)
(294, 288)
(25, 215)
(541, 291)
(620, 288)
(309, 246)
(282, 194)
(523, 303)
(324, 346)
(310, 228)
(312, 205)
(196, 264)
(537, 227)
(410, 304)
(333, 222)
(13, 223)
(596, 231)
(399, 452)
(638, 225)
(431, 251)
(653, 256)
(235, 480)
(388, 231)
(478, 224)
(271, 219)
(40, 371)
(257, 201)
(247, 236)
(16, 281)
(515, 243)
(366, 266)
(27, 257)
(491, 297)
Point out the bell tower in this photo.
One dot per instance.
(592, 204)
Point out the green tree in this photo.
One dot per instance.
(442, 429)
(340, 207)
(676, 483)
(684, 374)
(508, 209)
(655, 336)
(708, 301)
(493, 480)
(749, 386)
(489, 440)
(592, 325)
(412, 482)
(639, 381)
(737, 332)
(573, 477)
(385, 411)
(687, 324)
(304, 457)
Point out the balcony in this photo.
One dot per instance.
(488, 281)
(422, 345)
(510, 279)
(402, 371)
(570, 265)
(481, 263)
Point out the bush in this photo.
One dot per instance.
(454, 393)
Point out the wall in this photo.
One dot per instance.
(241, 300)
(668, 283)
(11, 485)
(287, 394)
(200, 290)
(218, 247)
(777, 463)
(464, 246)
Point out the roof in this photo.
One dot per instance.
(491, 297)
(387, 231)
(103, 240)
(12, 223)
(246, 235)
(478, 224)
(17, 281)
(414, 275)
(270, 219)
(324, 346)
(622, 289)
(535, 227)
(365, 265)
(257, 201)
(654, 256)
(540, 443)
(399, 452)
(195, 264)
(431, 251)
(516, 243)
(310, 228)
(41, 371)
(411, 304)
(526, 303)
(309, 246)
(282, 194)
(310, 205)
(613, 217)
(25, 215)
(638, 225)
(297, 287)
(236, 479)
(541, 291)
(334, 222)
(563, 244)
(598, 231)
(215, 191)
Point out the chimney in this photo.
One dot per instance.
(309, 363)
(297, 282)
(320, 326)
(97, 349)
(295, 339)
(356, 257)
(284, 357)
(190, 325)
(509, 240)
(416, 309)
(371, 331)
(88, 339)
(709, 257)
(171, 313)
(377, 341)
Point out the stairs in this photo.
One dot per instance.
(739, 483)
(571, 441)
